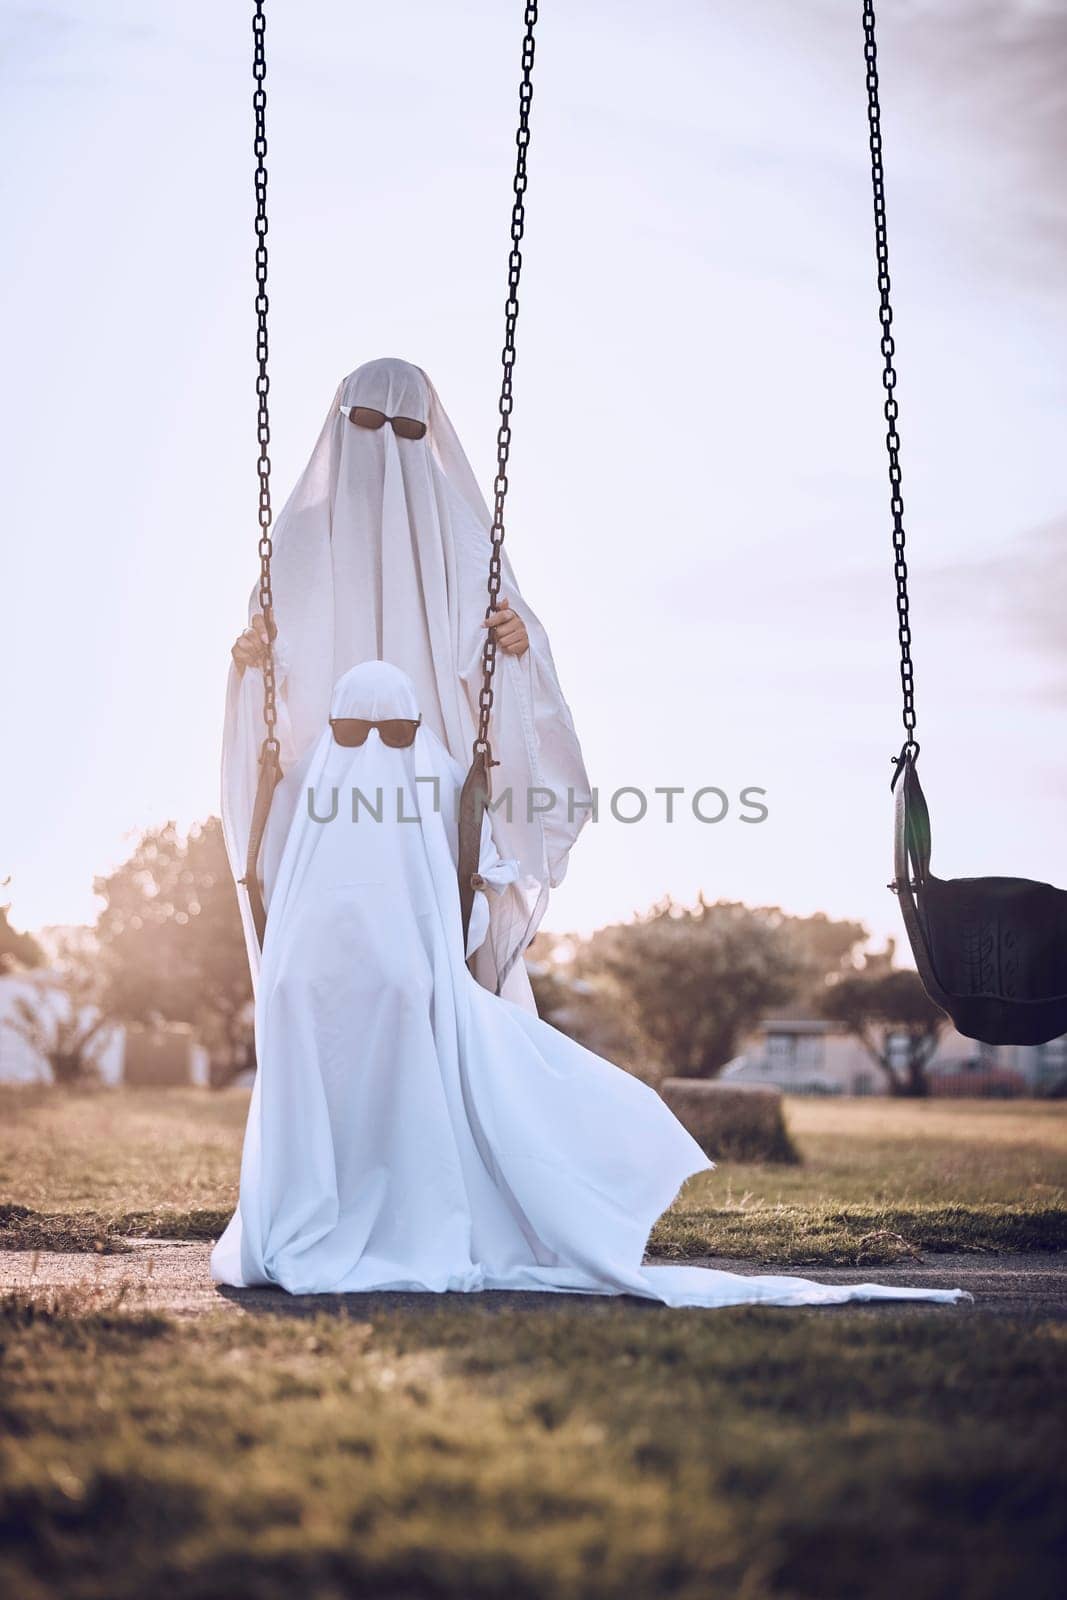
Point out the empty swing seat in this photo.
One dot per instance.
(992, 952)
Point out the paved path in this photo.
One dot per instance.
(172, 1276)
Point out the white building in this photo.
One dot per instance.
(122, 1055)
(804, 1055)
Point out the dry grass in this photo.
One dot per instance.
(964, 1175)
(466, 1449)
(113, 1151)
(469, 1451)
(88, 1169)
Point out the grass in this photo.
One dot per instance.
(475, 1448)
(106, 1151)
(877, 1180)
(880, 1179)
(472, 1450)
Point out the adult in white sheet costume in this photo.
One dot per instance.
(408, 1129)
(382, 552)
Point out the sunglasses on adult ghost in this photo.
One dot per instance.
(403, 427)
(396, 732)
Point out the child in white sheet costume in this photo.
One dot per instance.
(409, 1129)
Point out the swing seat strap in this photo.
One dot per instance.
(270, 774)
(473, 798)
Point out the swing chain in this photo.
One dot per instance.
(889, 383)
(503, 438)
(266, 546)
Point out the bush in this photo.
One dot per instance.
(730, 1122)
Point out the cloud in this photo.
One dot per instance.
(1021, 590)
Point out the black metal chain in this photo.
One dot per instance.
(889, 382)
(266, 547)
(511, 317)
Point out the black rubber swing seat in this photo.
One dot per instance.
(992, 952)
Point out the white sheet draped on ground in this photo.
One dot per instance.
(410, 1130)
(382, 550)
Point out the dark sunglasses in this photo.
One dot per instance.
(396, 732)
(403, 427)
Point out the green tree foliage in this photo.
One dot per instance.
(17, 950)
(701, 976)
(885, 1006)
(171, 944)
(826, 947)
(587, 1003)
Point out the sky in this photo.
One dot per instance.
(698, 506)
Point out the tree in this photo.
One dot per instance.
(879, 1008)
(700, 977)
(589, 1006)
(171, 943)
(64, 1022)
(17, 950)
(826, 946)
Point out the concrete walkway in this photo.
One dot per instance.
(172, 1276)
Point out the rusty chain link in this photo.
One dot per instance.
(511, 317)
(266, 547)
(889, 383)
(511, 314)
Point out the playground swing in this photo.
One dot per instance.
(992, 952)
(476, 789)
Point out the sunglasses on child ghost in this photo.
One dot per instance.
(367, 417)
(396, 732)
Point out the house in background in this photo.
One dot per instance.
(130, 1055)
(805, 1055)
